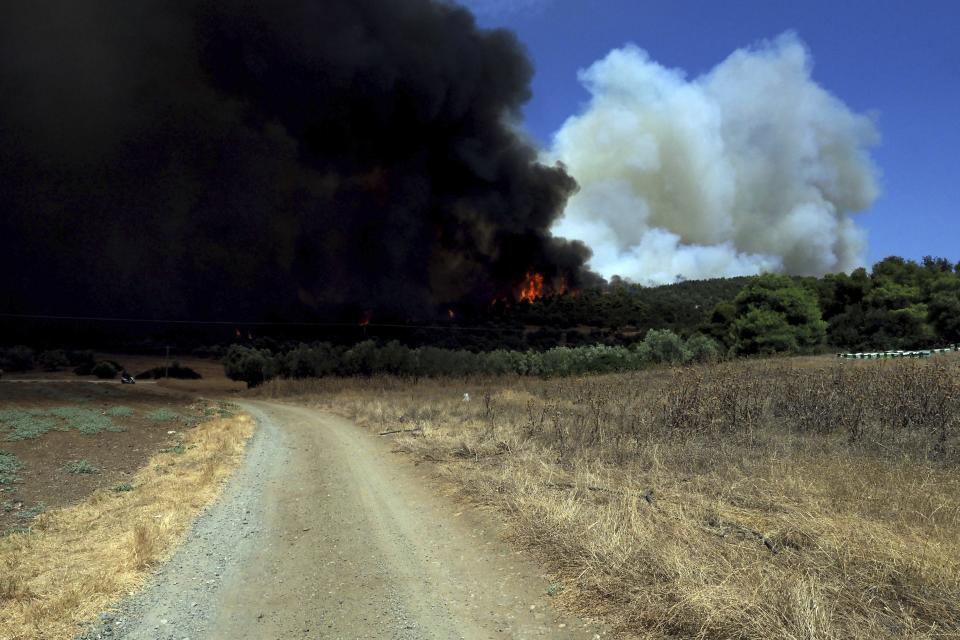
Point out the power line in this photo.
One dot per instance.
(244, 323)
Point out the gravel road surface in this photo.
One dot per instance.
(323, 533)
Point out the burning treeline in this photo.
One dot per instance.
(536, 287)
(533, 288)
(209, 159)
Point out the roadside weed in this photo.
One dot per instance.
(80, 466)
(220, 410)
(16, 531)
(32, 512)
(177, 448)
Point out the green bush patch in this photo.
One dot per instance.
(16, 531)
(9, 465)
(120, 412)
(105, 370)
(177, 448)
(32, 512)
(176, 370)
(221, 410)
(80, 467)
(163, 415)
(84, 420)
(25, 424)
(122, 487)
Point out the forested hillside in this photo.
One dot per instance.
(898, 304)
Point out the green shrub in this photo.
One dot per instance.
(122, 487)
(396, 359)
(665, 346)
(18, 358)
(701, 348)
(105, 370)
(253, 366)
(175, 370)
(360, 359)
(78, 358)
(120, 412)
(84, 369)
(310, 361)
(53, 360)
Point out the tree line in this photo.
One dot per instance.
(255, 366)
(898, 304)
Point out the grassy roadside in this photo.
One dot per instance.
(76, 561)
(745, 501)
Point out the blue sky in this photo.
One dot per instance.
(897, 60)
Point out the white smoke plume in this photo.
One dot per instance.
(750, 168)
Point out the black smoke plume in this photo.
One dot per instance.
(285, 159)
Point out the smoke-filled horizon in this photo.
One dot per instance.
(206, 158)
(750, 168)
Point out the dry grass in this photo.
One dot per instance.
(79, 560)
(749, 500)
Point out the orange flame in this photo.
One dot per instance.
(451, 314)
(237, 331)
(532, 287)
(365, 320)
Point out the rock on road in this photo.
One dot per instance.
(323, 533)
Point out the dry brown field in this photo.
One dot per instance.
(796, 498)
(98, 482)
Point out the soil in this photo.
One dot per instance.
(116, 455)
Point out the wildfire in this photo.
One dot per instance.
(451, 314)
(561, 287)
(532, 287)
(365, 319)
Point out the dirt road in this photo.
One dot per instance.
(326, 534)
